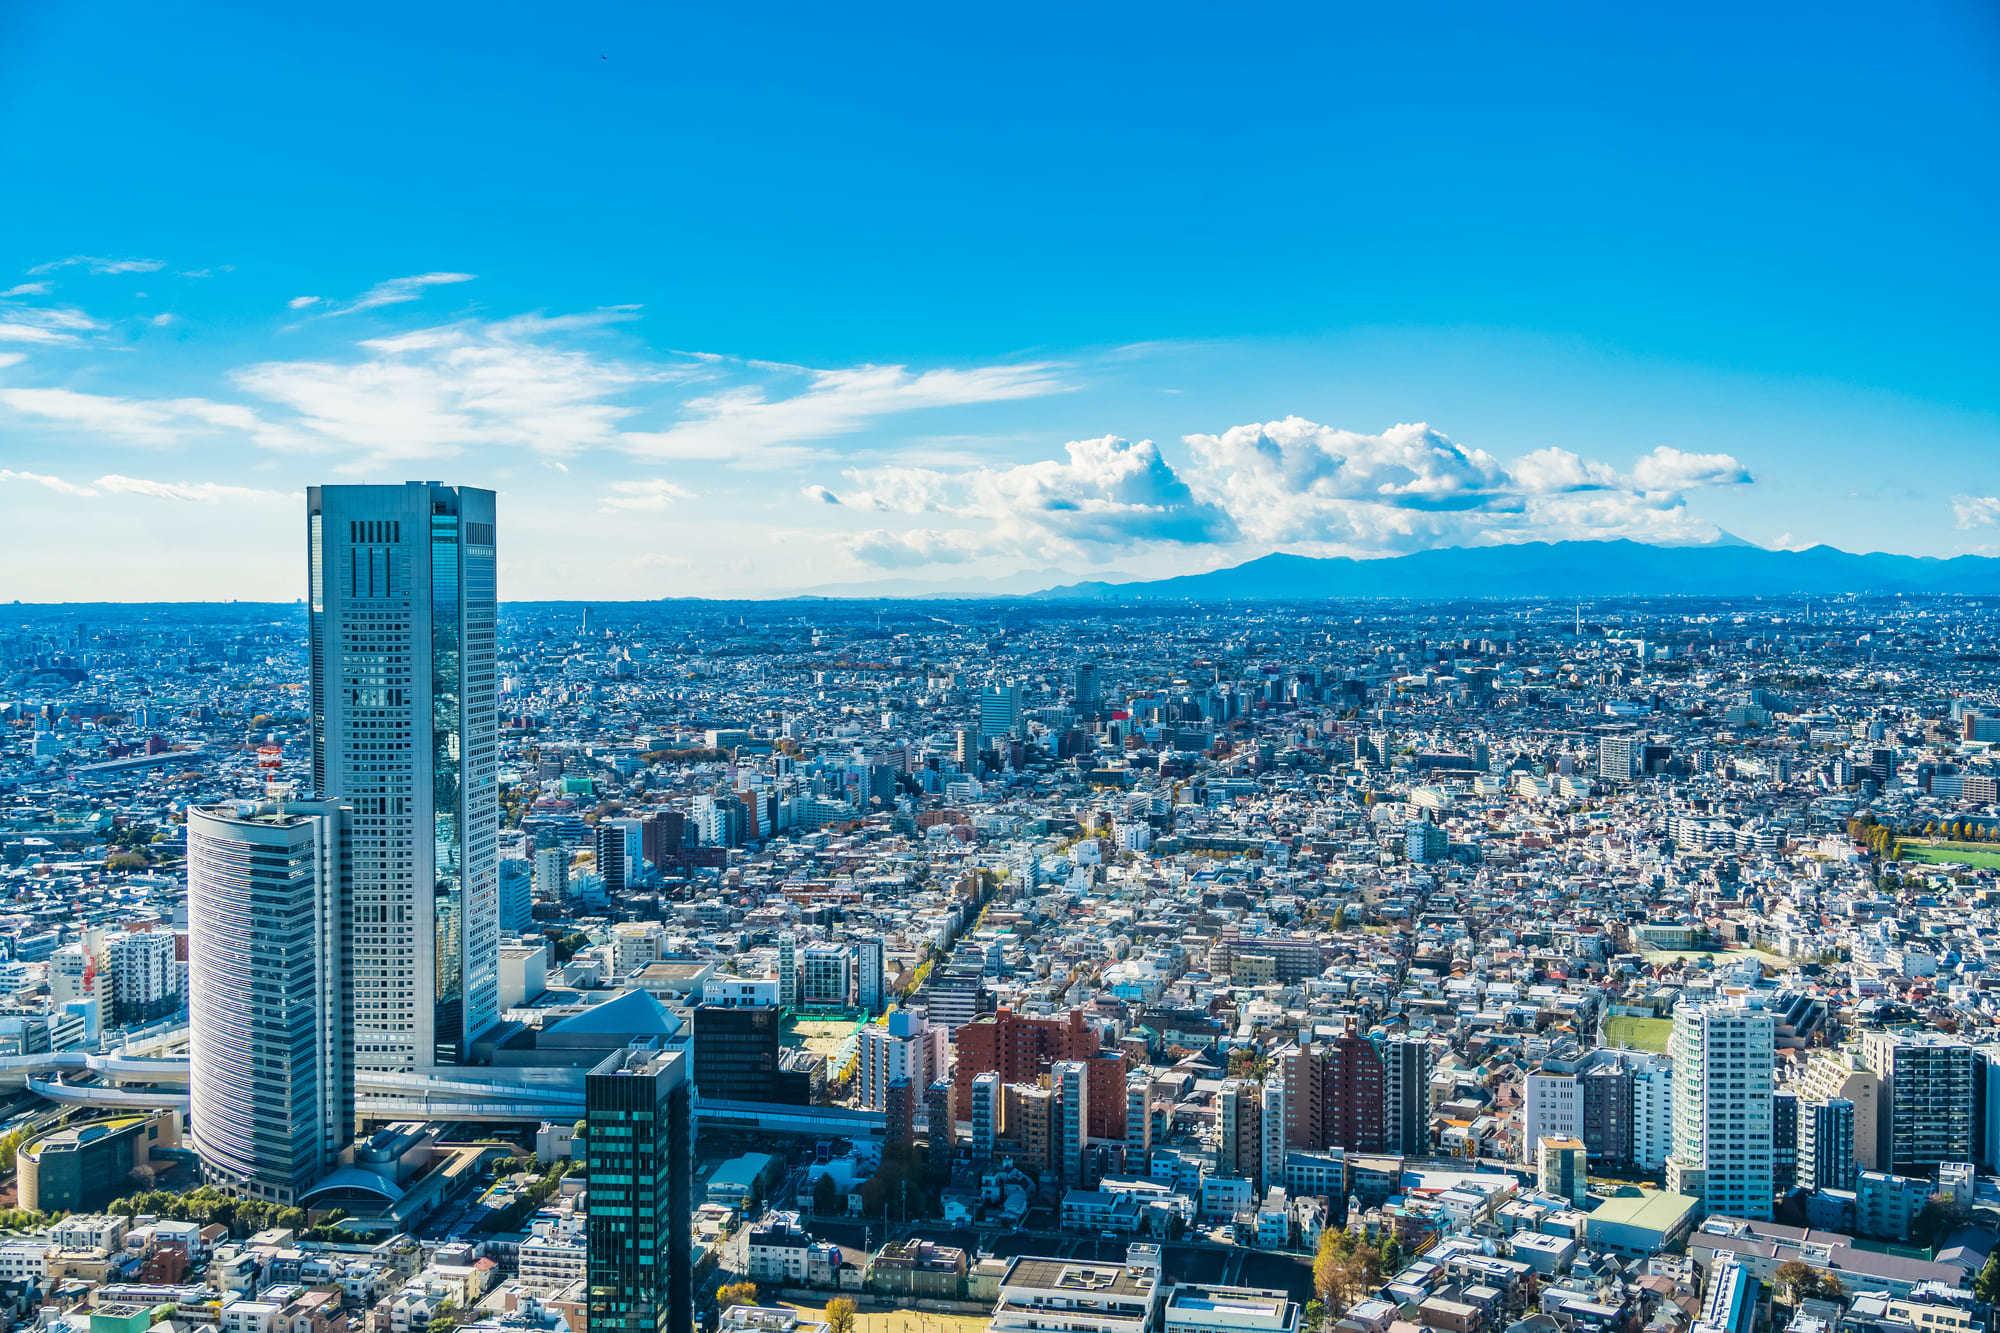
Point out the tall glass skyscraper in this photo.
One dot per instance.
(272, 1076)
(639, 1138)
(402, 603)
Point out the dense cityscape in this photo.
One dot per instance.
(406, 959)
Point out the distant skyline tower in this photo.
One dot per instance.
(270, 1025)
(401, 604)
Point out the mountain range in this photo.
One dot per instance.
(1729, 568)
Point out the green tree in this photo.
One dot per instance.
(736, 1293)
(1986, 1285)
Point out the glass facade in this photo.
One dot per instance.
(640, 1145)
(447, 788)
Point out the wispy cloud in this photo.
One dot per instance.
(746, 424)
(100, 266)
(395, 291)
(154, 423)
(43, 479)
(654, 493)
(436, 392)
(190, 492)
(26, 289)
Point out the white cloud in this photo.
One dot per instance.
(1668, 469)
(161, 320)
(921, 546)
(194, 492)
(1975, 511)
(26, 289)
(159, 423)
(301, 302)
(393, 292)
(655, 493)
(12, 359)
(895, 489)
(744, 423)
(437, 392)
(101, 266)
(820, 495)
(1548, 471)
(42, 479)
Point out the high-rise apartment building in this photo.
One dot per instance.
(517, 895)
(1832, 1075)
(907, 1046)
(1271, 1131)
(401, 605)
(1722, 1053)
(1617, 756)
(1239, 1129)
(552, 873)
(868, 978)
(1927, 1095)
(987, 1111)
(1826, 1144)
(618, 854)
(145, 976)
(1351, 1096)
(639, 1127)
(270, 1020)
(788, 969)
(1070, 1080)
(1021, 1049)
(1406, 1105)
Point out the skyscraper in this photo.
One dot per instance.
(640, 1139)
(270, 1023)
(401, 606)
(1087, 687)
(1722, 1107)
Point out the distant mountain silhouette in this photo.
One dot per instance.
(1567, 569)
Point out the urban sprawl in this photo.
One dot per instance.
(403, 960)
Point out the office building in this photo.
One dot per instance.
(270, 1022)
(1087, 687)
(1722, 1054)
(401, 604)
(1927, 1098)
(640, 1135)
(735, 1053)
(517, 895)
(999, 710)
(868, 979)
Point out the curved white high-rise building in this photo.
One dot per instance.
(270, 1028)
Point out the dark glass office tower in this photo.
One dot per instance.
(736, 1053)
(640, 1144)
(401, 604)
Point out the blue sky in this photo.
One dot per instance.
(782, 298)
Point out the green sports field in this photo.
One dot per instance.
(1950, 853)
(1638, 1034)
